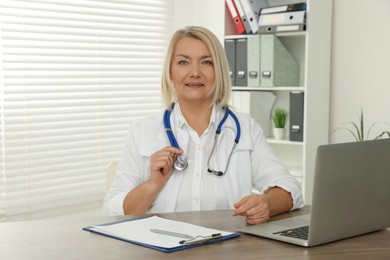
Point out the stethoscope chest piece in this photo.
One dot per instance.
(181, 162)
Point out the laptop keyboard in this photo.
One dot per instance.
(298, 232)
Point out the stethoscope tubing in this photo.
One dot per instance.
(168, 129)
(174, 143)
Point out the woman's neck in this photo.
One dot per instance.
(197, 116)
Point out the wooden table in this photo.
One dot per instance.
(65, 239)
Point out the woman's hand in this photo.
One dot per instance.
(139, 200)
(255, 208)
(259, 208)
(161, 165)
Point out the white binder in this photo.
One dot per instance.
(285, 18)
(257, 6)
(250, 16)
(282, 28)
(284, 8)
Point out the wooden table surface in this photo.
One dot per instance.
(65, 239)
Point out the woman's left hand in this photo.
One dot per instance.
(255, 208)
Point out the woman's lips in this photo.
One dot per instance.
(194, 85)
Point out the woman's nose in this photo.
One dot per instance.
(195, 71)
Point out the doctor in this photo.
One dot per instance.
(218, 171)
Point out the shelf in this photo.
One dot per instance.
(284, 34)
(284, 142)
(297, 88)
(289, 34)
(312, 51)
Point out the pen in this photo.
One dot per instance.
(201, 239)
(170, 233)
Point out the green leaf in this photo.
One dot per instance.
(357, 130)
(280, 118)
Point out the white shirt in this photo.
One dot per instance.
(252, 165)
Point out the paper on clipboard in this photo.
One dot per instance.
(139, 231)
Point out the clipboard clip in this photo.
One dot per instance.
(201, 239)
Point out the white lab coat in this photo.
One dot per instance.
(253, 163)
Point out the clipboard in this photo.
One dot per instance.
(139, 231)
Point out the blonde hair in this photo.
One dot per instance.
(222, 91)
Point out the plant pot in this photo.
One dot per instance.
(279, 133)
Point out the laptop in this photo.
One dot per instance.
(351, 196)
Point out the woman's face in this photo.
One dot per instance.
(192, 71)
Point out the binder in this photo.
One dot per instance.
(250, 16)
(230, 50)
(241, 100)
(282, 28)
(298, 17)
(235, 17)
(141, 231)
(254, 63)
(278, 66)
(284, 8)
(261, 104)
(257, 103)
(242, 14)
(241, 62)
(257, 5)
(296, 115)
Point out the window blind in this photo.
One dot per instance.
(74, 74)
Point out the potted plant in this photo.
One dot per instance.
(279, 118)
(357, 130)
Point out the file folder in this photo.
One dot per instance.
(262, 103)
(242, 14)
(230, 50)
(235, 17)
(139, 231)
(283, 8)
(250, 16)
(241, 100)
(241, 62)
(257, 5)
(298, 17)
(282, 28)
(296, 115)
(254, 63)
(278, 66)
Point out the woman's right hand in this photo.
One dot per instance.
(161, 165)
(139, 200)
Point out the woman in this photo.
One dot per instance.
(220, 175)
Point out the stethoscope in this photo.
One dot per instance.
(181, 162)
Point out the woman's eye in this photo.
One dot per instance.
(183, 62)
(207, 62)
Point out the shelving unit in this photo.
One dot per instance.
(312, 50)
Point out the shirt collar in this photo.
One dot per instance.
(178, 118)
(216, 116)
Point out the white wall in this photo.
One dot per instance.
(207, 13)
(360, 64)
